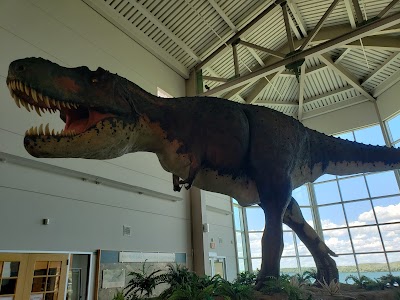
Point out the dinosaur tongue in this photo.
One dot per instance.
(80, 121)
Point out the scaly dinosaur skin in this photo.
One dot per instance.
(252, 153)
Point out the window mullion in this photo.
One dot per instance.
(314, 210)
(246, 238)
(348, 227)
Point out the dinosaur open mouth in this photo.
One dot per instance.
(77, 118)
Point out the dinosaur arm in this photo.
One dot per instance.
(175, 182)
(193, 170)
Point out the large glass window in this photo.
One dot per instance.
(359, 217)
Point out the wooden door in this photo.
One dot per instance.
(12, 275)
(39, 276)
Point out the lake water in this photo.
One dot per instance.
(372, 275)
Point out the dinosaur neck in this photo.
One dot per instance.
(140, 100)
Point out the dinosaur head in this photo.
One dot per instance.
(92, 104)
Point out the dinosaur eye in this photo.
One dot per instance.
(95, 80)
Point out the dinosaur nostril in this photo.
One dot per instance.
(20, 68)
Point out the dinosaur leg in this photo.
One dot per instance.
(326, 266)
(274, 199)
(176, 183)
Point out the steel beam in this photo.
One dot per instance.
(296, 14)
(264, 13)
(217, 79)
(381, 67)
(346, 75)
(235, 60)
(319, 25)
(269, 51)
(260, 86)
(388, 83)
(350, 13)
(390, 43)
(287, 26)
(387, 8)
(301, 91)
(356, 34)
(358, 12)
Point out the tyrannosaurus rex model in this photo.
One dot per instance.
(254, 154)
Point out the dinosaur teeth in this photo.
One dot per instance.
(47, 101)
(34, 95)
(26, 89)
(25, 104)
(37, 110)
(17, 101)
(40, 96)
(58, 105)
(47, 130)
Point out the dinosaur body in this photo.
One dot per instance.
(252, 153)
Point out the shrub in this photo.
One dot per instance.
(143, 283)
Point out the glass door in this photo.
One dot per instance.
(218, 266)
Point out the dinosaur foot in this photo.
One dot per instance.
(186, 183)
(260, 282)
(177, 188)
(327, 270)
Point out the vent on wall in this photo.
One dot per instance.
(126, 230)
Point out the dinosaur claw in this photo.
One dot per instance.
(188, 186)
(177, 188)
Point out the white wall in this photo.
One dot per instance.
(219, 217)
(83, 216)
(389, 101)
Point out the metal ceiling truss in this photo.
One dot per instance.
(316, 42)
(330, 44)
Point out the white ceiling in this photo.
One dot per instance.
(184, 33)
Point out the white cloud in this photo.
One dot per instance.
(365, 239)
(384, 214)
(255, 244)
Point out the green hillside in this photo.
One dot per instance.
(370, 267)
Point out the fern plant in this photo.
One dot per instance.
(333, 288)
(143, 283)
(119, 295)
(281, 285)
(246, 278)
(176, 277)
(234, 291)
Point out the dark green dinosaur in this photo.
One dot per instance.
(254, 154)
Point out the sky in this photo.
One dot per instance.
(333, 216)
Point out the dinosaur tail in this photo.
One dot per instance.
(343, 157)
